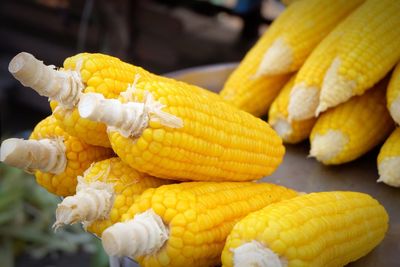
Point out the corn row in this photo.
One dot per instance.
(317, 229)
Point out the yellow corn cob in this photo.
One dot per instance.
(304, 97)
(286, 47)
(291, 131)
(389, 160)
(198, 215)
(320, 229)
(393, 95)
(351, 129)
(56, 158)
(367, 51)
(180, 133)
(105, 192)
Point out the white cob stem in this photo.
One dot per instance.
(143, 235)
(90, 203)
(395, 110)
(335, 88)
(389, 171)
(255, 254)
(328, 146)
(129, 119)
(277, 59)
(64, 86)
(303, 102)
(46, 155)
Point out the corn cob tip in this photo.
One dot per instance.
(303, 102)
(389, 171)
(143, 235)
(255, 254)
(64, 86)
(327, 146)
(395, 110)
(282, 127)
(89, 204)
(335, 88)
(47, 155)
(277, 59)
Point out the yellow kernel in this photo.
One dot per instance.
(163, 258)
(76, 146)
(114, 216)
(176, 242)
(190, 215)
(177, 231)
(179, 220)
(158, 135)
(142, 144)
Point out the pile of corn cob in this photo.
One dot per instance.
(163, 171)
(323, 71)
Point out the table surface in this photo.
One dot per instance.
(306, 174)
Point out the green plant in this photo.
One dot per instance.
(26, 216)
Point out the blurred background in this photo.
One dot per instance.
(159, 35)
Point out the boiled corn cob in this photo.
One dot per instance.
(253, 95)
(83, 72)
(186, 224)
(285, 47)
(170, 130)
(304, 97)
(104, 193)
(320, 229)
(291, 131)
(389, 160)
(367, 51)
(393, 95)
(353, 128)
(55, 157)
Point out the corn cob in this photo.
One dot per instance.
(285, 48)
(171, 131)
(290, 131)
(393, 95)
(55, 157)
(198, 215)
(367, 51)
(389, 160)
(253, 95)
(104, 193)
(351, 129)
(319, 229)
(304, 97)
(84, 72)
